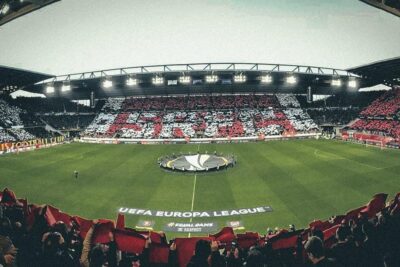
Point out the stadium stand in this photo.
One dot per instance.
(380, 119)
(201, 116)
(45, 236)
(11, 124)
(68, 122)
(338, 109)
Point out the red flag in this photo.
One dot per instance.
(329, 236)
(120, 221)
(320, 225)
(157, 238)
(247, 239)
(331, 232)
(285, 239)
(33, 210)
(49, 216)
(54, 215)
(84, 225)
(338, 219)
(185, 248)
(353, 214)
(226, 235)
(129, 241)
(376, 204)
(158, 253)
(102, 231)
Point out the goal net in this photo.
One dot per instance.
(375, 143)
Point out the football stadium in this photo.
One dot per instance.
(220, 159)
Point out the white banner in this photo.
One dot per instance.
(194, 214)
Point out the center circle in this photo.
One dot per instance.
(200, 162)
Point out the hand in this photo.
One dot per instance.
(9, 259)
(173, 246)
(61, 241)
(44, 237)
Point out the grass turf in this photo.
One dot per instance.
(301, 180)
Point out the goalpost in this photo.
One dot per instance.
(374, 143)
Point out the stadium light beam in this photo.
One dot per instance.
(158, 80)
(185, 79)
(66, 87)
(240, 78)
(131, 81)
(266, 79)
(291, 79)
(352, 83)
(336, 82)
(107, 83)
(50, 89)
(211, 78)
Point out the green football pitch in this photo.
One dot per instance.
(301, 180)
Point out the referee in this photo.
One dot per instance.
(76, 173)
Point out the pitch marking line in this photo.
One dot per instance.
(194, 193)
(344, 158)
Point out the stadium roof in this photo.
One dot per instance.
(12, 9)
(391, 6)
(381, 72)
(12, 79)
(199, 78)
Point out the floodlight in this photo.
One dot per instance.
(50, 89)
(107, 83)
(5, 9)
(66, 87)
(336, 82)
(291, 79)
(240, 78)
(211, 78)
(131, 81)
(266, 79)
(185, 79)
(352, 84)
(158, 80)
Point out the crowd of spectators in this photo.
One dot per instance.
(12, 123)
(5, 136)
(381, 117)
(68, 122)
(342, 100)
(204, 116)
(387, 105)
(334, 116)
(43, 236)
(9, 115)
(378, 127)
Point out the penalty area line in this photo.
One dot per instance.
(193, 194)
